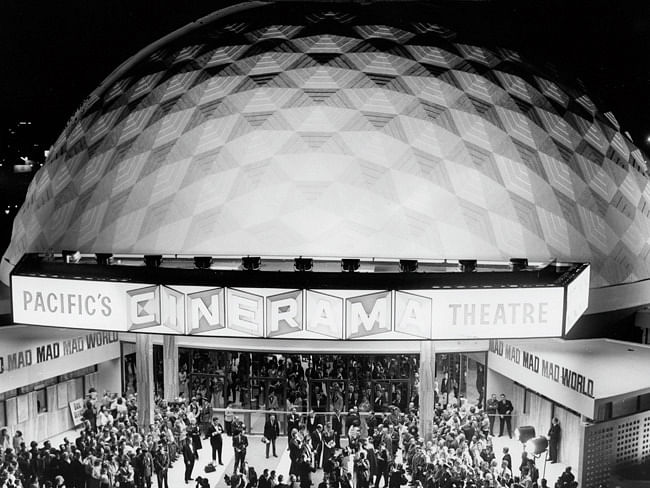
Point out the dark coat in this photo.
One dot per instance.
(271, 430)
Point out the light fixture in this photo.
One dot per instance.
(153, 260)
(467, 265)
(537, 445)
(71, 257)
(251, 263)
(303, 264)
(202, 262)
(408, 265)
(524, 433)
(350, 265)
(103, 259)
(519, 264)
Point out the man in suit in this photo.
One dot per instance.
(293, 422)
(161, 465)
(188, 458)
(337, 427)
(492, 407)
(328, 442)
(240, 445)
(216, 442)
(317, 445)
(553, 440)
(311, 422)
(505, 409)
(271, 432)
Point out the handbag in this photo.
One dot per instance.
(265, 440)
(210, 468)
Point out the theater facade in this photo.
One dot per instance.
(308, 180)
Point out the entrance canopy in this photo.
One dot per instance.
(432, 304)
(583, 375)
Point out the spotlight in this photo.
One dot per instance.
(303, 264)
(467, 265)
(408, 265)
(537, 445)
(103, 259)
(71, 257)
(350, 265)
(519, 264)
(202, 262)
(251, 263)
(153, 260)
(524, 433)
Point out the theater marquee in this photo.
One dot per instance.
(459, 313)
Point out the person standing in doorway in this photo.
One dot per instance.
(505, 409)
(554, 434)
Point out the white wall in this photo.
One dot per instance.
(497, 384)
(109, 376)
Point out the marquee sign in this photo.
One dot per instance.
(459, 313)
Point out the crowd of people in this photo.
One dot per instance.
(281, 382)
(355, 449)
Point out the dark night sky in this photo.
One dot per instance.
(55, 53)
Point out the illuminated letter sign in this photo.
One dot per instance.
(368, 315)
(284, 313)
(324, 314)
(413, 314)
(245, 312)
(143, 308)
(205, 311)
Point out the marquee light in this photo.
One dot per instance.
(153, 260)
(251, 263)
(202, 262)
(519, 264)
(71, 257)
(408, 265)
(303, 264)
(350, 265)
(467, 265)
(103, 259)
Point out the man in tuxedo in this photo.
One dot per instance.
(554, 434)
(188, 458)
(240, 445)
(216, 442)
(293, 422)
(161, 465)
(317, 445)
(271, 432)
(337, 427)
(328, 442)
(505, 409)
(492, 408)
(311, 421)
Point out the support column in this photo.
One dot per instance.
(426, 389)
(144, 379)
(170, 367)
